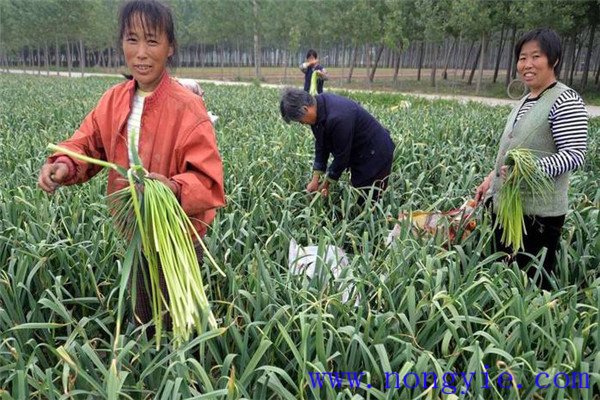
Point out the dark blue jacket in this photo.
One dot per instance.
(308, 75)
(354, 137)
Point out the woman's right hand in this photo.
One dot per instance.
(313, 185)
(52, 175)
(483, 188)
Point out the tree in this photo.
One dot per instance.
(396, 25)
(435, 22)
(593, 15)
(475, 18)
(356, 23)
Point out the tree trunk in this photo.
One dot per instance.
(202, 55)
(285, 65)
(397, 66)
(596, 80)
(23, 63)
(436, 48)
(352, 63)
(82, 55)
(39, 59)
(196, 56)
(367, 52)
(343, 61)
(510, 66)
(46, 59)
(69, 59)
(110, 61)
(377, 57)
(447, 61)
(239, 60)
(57, 60)
(499, 55)
(420, 65)
(578, 54)
(222, 63)
(481, 62)
(588, 56)
(256, 41)
(466, 62)
(573, 60)
(456, 57)
(472, 74)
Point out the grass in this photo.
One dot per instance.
(417, 306)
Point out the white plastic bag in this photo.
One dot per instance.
(303, 260)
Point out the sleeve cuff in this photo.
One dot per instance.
(318, 172)
(177, 191)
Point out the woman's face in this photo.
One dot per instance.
(533, 67)
(146, 54)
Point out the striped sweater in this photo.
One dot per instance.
(568, 120)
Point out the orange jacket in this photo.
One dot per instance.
(177, 140)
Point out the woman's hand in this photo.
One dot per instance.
(324, 189)
(52, 176)
(313, 185)
(483, 188)
(487, 182)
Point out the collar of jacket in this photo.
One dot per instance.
(321, 110)
(157, 95)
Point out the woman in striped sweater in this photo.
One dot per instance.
(551, 120)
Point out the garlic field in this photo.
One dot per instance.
(416, 307)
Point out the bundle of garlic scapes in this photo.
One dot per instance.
(152, 219)
(523, 176)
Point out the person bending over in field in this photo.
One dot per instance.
(311, 66)
(195, 88)
(552, 122)
(344, 129)
(174, 135)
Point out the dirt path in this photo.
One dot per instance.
(594, 111)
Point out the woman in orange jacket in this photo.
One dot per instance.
(175, 138)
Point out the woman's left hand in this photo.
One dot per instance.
(166, 181)
(324, 189)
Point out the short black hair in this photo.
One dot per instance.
(293, 102)
(549, 42)
(154, 16)
(311, 53)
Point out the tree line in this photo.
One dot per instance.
(467, 36)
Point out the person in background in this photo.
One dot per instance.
(553, 122)
(172, 131)
(344, 129)
(311, 66)
(195, 88)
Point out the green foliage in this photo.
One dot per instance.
(419, 306)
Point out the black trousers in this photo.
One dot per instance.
(379, 183)
(143, 300)
(541, 232)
